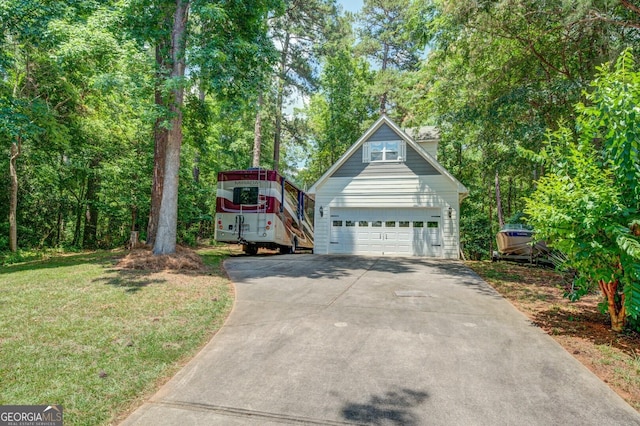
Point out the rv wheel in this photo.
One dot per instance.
(289, 249)
(251, 249)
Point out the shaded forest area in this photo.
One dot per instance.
(100, 98)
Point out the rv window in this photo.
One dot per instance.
(245, 195)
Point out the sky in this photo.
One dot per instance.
(351, 5)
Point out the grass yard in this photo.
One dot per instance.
(579, 327)
(79, 331)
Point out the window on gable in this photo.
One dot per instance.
(383, 151)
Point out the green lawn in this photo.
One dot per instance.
(76, 331)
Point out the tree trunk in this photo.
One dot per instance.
(279, 101)
(134, 217)
(59, 224)
(165, 242)
(510, 198)
(133, 240)
(384, 95)
(134, 235)
(159, 149)
(195, 171)
(490, 222)
(160, 135)
(617, 310)
(166, 235)
(13, 197)
(89, 238)
(80, 205)
(257, 135)
(499, 202)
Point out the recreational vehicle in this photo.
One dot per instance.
(259, 208)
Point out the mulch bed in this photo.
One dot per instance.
(142, 258)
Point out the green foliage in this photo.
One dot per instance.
(343, 106)
(498, 75)
(475, 233)
(76, 86)
(75, 104)
(385, 37)
(587, 204)
(339, 113)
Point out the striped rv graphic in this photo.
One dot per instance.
(260, 208)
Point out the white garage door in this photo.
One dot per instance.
(411, 232)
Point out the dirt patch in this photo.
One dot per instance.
(142, 258)
(577, 326)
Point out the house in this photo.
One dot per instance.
(388, 195)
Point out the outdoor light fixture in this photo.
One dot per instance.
(450, 212)
(321, 211)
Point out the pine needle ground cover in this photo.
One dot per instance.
(86, 333)
(579, 326)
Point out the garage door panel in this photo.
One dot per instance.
(367, 236)
(404, 248)
(386, 231)
(403, 236)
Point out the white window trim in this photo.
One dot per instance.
(402, 152)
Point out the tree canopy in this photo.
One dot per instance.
(588, 203)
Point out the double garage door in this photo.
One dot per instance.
(402, 231)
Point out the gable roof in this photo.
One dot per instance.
(423, 133)
(404, 136)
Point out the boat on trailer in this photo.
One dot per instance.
(515, 242)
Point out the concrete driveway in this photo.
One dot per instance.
(380, 341)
